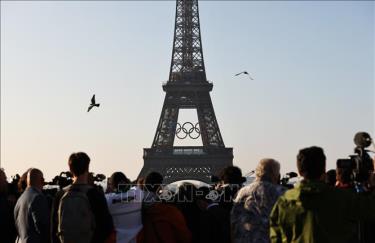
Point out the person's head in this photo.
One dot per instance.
(35, 178)
(268, 170)
(311, 163)
(3, 181)
(331, 177)
(231, 175)
(344, 175)
(118, 182)
(79, 164)
(153, 182)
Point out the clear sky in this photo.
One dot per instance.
(313, 64)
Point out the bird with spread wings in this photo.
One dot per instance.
(93, 103)
(244, 72)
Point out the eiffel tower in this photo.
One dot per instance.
(187, 88)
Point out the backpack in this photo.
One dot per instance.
(76, 222)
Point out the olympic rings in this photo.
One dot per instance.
(188, 129)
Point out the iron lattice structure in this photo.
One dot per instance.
(187, 56)
(187, 88)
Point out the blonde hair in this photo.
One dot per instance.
(267, 169)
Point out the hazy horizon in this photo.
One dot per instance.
(313, 65)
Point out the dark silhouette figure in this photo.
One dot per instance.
(331, 178)
(315, 212)
(31, 213)
(77, 199)
(214, 222)
(93, 103)
(186, 202)
(8, 231)
(162, 222)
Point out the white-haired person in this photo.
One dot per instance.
(254, 202)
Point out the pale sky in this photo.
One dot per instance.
(313, 64)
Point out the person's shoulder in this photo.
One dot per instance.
(243, 193)
(30, 192)
(268, 188)
(90, 190)
(34, 194)
(81, 187)
(26, 198)
(21, 200)
(38, 199)
(290, 195)
(94, 194)
(112, 197)
(171, 210)
(248, 189)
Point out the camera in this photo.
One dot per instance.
(63, 180)
(359, 164)
(285, 180)
(13, 186)
(97, 177)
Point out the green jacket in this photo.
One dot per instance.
(313, 212)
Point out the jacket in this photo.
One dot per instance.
(313, 212)
(163, 223)
(31, 216)
(251, 210)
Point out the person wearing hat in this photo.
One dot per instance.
(231, 181)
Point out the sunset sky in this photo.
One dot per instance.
(313, 65)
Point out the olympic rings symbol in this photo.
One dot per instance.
(188, 129)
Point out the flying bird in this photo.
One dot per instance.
(93, 103)
(244, 72)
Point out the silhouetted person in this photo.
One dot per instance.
(331, 177)
(80, 212)
(213, 223)
(231, 181)
(7, 228)
(313, 211)
(162, 223)
(344, 178)
(125, 205)
(152, 186)
(31, 213)
(186, 202)
(117, 183)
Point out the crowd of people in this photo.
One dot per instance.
(323, 207)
